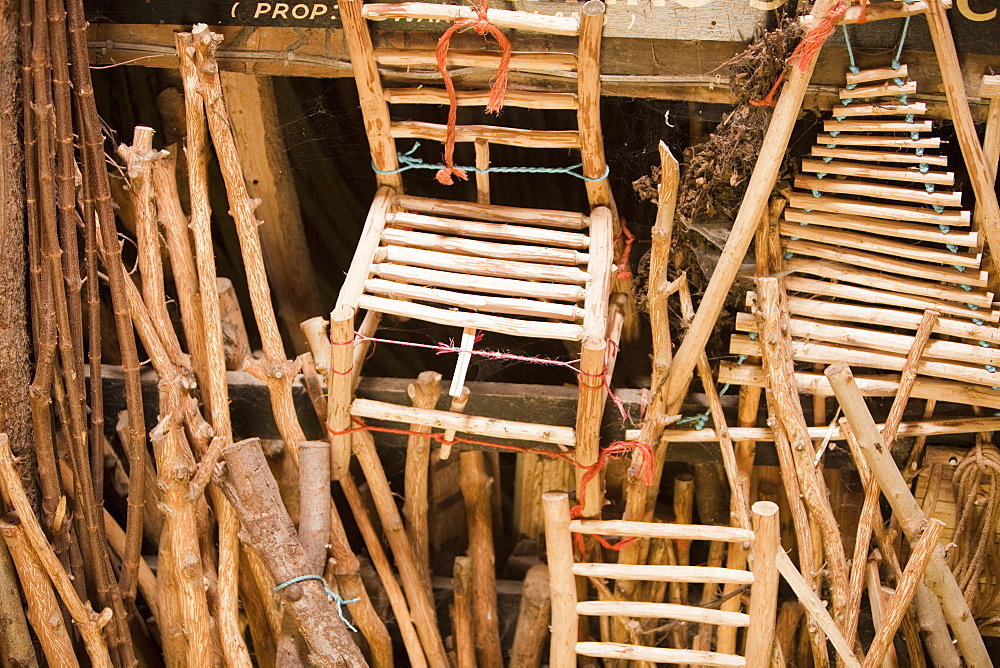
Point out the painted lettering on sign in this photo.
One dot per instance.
(283, 10)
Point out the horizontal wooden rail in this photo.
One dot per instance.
(502, 231)
(877, 244)
(874, 190)
(878, 156)
(877, 74)
(482, 266)
(491, 249)
(479, 98)
(565, 139)
(494, 212)
(502, 18)
(911, 174)
(519, 62)
(661, 530)
(486, 284)
(889, 228)
(882, 90)
(693, 574)
(687, 613)
(880, 210)
(866, 109)
(610, 650)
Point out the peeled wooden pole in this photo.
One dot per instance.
(532, 620)
(559, 549)
(939, 577)
(588, 424)
(341, 389)
(424, 394)
(764, 596)
(476, 491)
(462, 622)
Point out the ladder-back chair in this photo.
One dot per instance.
(759, 619)
(476, 266)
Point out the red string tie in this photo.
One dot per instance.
(622, 264)
(481, 24)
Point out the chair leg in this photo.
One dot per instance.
(589, 412)
(341, 389)
(764, 595)
(562, 582)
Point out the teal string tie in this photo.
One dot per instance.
(909, 118)
(850, 54)
(945, 229)
(698, 420)
(915, 136)
(972, 307)
(977, 321)
(919, 152)
(789, 255)
(899, 47)
(846, 101)
(938, 208)
(904, 98)
(929, 187)
(951, 247)
(959, 268)
(409, 161)
(803, 224)
(817, 194)
(740, 360)
(834, 133)
(794, 238)
(984, 344)
(333, 596)
(990, 368)
(831, 146)
(924, 168)
(820, 175)
(840, 118)
(827, 159)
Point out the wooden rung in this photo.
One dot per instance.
(878, 140)
(879, 156)
(565, 139)
(519, 62)
(501, 18)
(883, 385)
(463, 320)
(870, 339)
(878, 109)
(866, 189)
(688, 613)
(494, 212)
(477, 98)
(475, 302)
(693, 574)
(884, 317)
(909, 288)
(611, 650)
(882, 90)
(991, 86)
(466, 424)
(877, 244)
(878, 74)
(884, 263)
(485, 284)
(876, 126)
(525, 271)
(909, 174)
(880, 210)
(485, 249)
(820, 353)
(501, 231)
(661, 530)
(888, 228)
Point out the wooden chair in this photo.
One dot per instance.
(759, 619)
(476, 266)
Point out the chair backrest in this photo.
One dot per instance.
(376, 99)
(759, 619)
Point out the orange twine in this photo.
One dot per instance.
(622, 265)
(481, 25)
(807, 49)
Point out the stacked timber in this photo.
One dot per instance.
(874, 234)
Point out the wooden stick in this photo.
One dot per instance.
(392, 525)
(41, 604)
(879, 109)
(314, 502)
(764, 594)
(513, 268)
(821, 151)
(476, 492)
(250, 487)
(457, 406)
(905, 589)
(865, 189)
(816, 608)
(491, 249)
(588, 115)
(532, 620)
(341, 389)
(557, 139)
(462, 619)
(234, 330)
(658, 655)
(494, 212)
(424, 394)
(683, 508)
(401, 273)
(909, 375)
(519, 62)
(502, 18)
(866, 242)
(87, 621)
(913, 214)
(559, 549)
(315, 331)
(911, 518)
(462, 364)
(590, 409)
(877, 600)
(540, 236)
(908, 174)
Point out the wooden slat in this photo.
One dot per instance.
(476, 248)
(466, 424)
(479, 98)
(866, 189)
(876, 244)
(821, 353)
(567, 139)
(688, 613)
(911, 174)
(661, 530)
(693, 574)
(878, 140)
(877, 74)
(494, 212)
(889, 228)
(878, 156)
(882, 90)
(886, 342)
(475, 302)
(885, 263)
(879, 109)
(502, 18)
(880, 210)
(519, 62)
(609, 650)
(485, 284)
(490, 323)
(876, 126)
(912, 287)
(501, 231)
(862, 313)
(527, 271)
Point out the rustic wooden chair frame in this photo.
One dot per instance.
(566, 609)
(537, 273)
